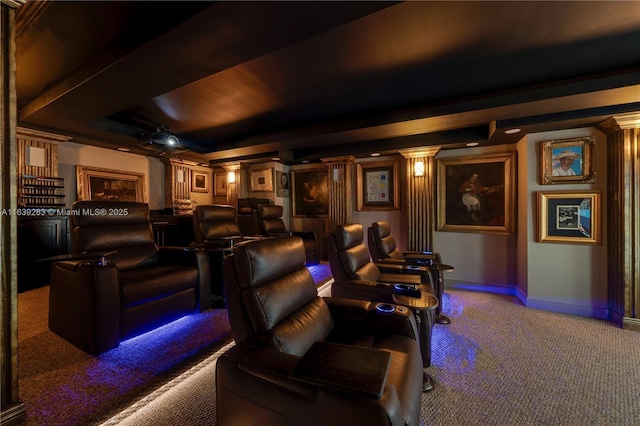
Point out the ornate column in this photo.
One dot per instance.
(340, 196)
(421, 211)
(13, 410)
(623, 218)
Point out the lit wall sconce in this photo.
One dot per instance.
(180, 176)
(418, 168)
(337, 175)
(231, 177)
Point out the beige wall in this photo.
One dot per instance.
(563, 277)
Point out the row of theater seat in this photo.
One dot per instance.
(303, 359)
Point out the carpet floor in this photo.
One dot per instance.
(497, 363)
(61, 385)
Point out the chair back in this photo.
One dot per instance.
(348, 255)
(215, 222)
(381, 244)
(106, 226)
(271, 297)
(270, 220)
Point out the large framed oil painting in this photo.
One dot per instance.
(477, 194)
(310, 192)
(569, 217)
(97, 184)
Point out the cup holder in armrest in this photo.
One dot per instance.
(403, 287)
(386, 307)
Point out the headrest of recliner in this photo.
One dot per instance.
(269, 211)
(348, 235)
(260, 261)
(101, 213)
(381, 229)
(217, 212)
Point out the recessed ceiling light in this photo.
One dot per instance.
(275, 158)
(305, 161)
(473, 144)
(512, 131)
(375, 154)
(123, 149)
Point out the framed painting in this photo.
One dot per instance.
(569, 217)
(377, 186)
(282, 184)
(97, 184)
(200, 181)
(310, 192)
(262, 180)
(220, 182)
(477, 194)
(568, 161)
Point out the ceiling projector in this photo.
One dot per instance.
(161, 141)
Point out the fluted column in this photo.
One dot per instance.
(623, 213)
(13, 410)
(421, 212)
(340, 194)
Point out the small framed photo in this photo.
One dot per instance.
(568, 161)
(199, 181)
(262, 180)
(220, 182)
(569, 217)
(282, 184)
(377, 186)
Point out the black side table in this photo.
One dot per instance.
(418, 300)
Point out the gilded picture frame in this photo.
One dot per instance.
(568, 161)
(377, 186)
(98, 184)
(310, 189)
(477, 194)
(220, 183)
(200, 181)
(262, 180)
(571, 217)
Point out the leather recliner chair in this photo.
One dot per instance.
(216, 230)
(356, 276)
(277, 319)
(383, 248)
(95, 303)
(272, 225)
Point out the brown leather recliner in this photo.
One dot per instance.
(95, 304)
(383, 248)
(356, 276)
(272, 225)
(277, 317)
(216, 230)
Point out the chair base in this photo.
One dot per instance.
(442, 319)
(427, 382)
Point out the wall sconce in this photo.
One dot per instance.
(418, 169)
(231, 177)
(180, 176)
(337, 175)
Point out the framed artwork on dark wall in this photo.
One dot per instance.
(568, 161)
(96, 184)
(200, 181)
(377, 186)
(220, 181)
(569, 217)
(310, 192)
(262, 180)
(477, 194)
(282, 184)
